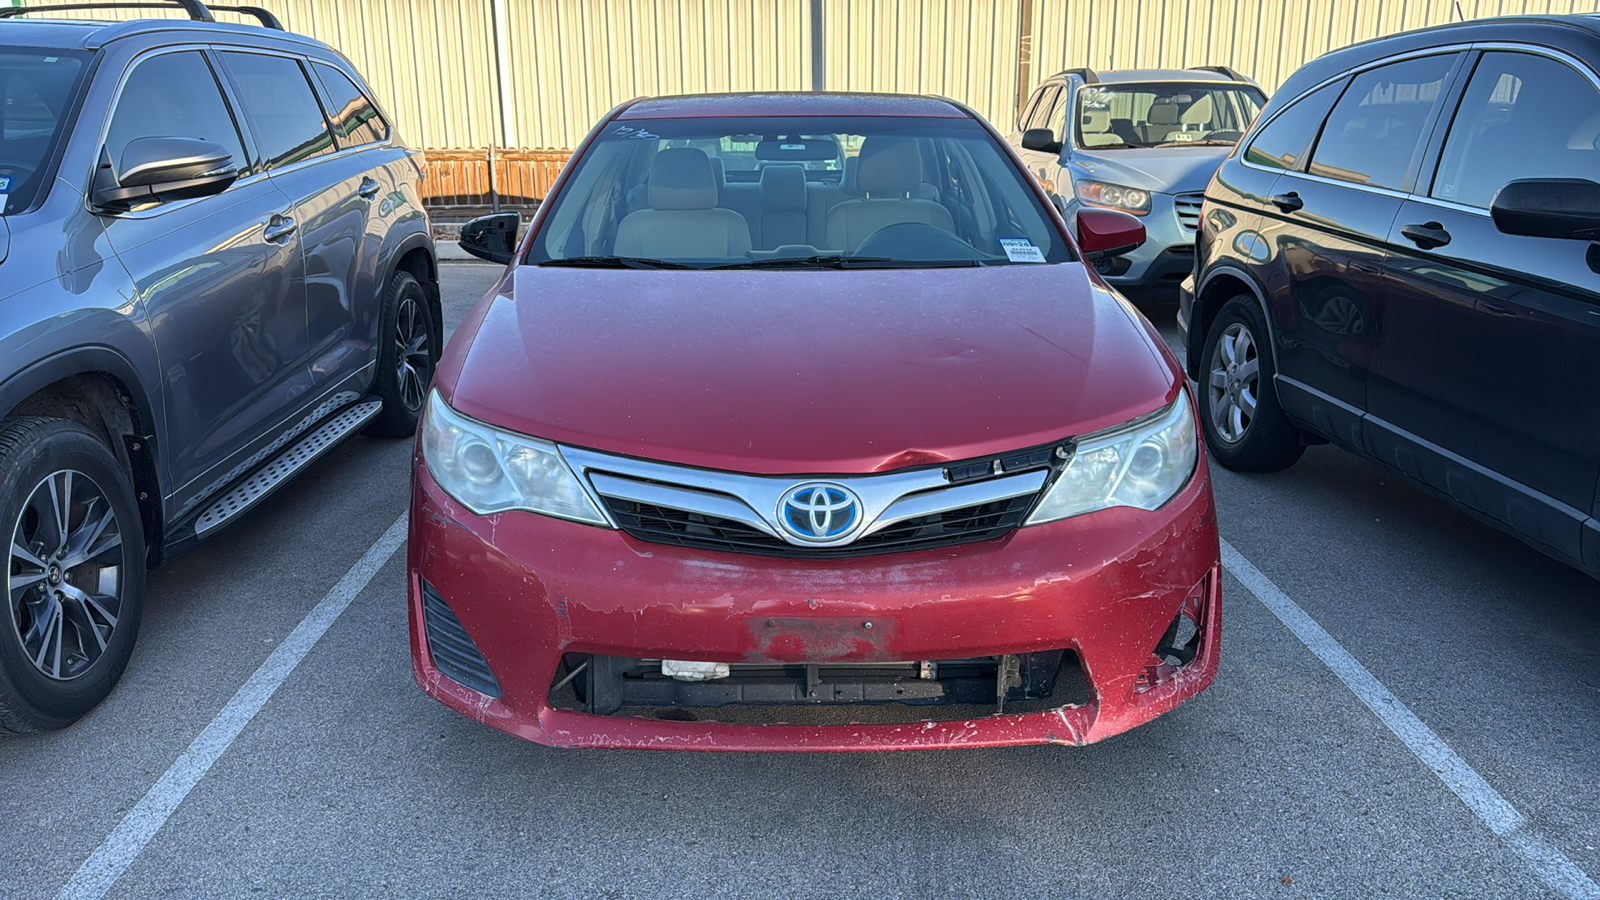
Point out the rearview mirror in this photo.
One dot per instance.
(491, 237)
(1104, 233)
(1041, 139)
(163, 169)
(1549, 207)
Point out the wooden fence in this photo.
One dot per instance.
(462, 183)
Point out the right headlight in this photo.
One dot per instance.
(1114, 196)
(1141, 464)
(490, 470)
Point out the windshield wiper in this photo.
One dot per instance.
(616, 262)
(838, 261)
(1197, 143)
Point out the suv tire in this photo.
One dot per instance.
(72, 606)
(408, 352)
(1245, 427)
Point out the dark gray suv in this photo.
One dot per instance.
(214, 265)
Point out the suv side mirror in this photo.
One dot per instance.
(1041, 139)
(491, 237)
(163, 169)
(1549, 207)
(1104, 233)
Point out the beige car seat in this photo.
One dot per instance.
(683, 221)
(889, 170)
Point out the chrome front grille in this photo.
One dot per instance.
(915, 509)
(1188, 208)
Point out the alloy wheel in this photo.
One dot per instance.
(65, 578)
(1235, 382)
(411, 357)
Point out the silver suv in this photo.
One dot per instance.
(1143, 141)
(214, 265)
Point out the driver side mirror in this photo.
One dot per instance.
(1041, 139)
(493, 238)
(162, 169)
(1549, 207)
(1104, 233)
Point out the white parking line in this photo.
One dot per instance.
(1548, 862)
(103, 867)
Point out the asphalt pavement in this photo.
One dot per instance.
(1430, 733)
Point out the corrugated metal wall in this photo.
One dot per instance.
(432, 62)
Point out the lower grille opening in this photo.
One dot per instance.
(451, 648)
(832, 694)
(1179, 644)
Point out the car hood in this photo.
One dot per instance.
(790, 372)
(1166, 170)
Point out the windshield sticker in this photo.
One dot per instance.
(5, 184)
(1020, 250)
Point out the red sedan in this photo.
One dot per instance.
(798, 422)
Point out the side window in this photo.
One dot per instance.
(355, 119)
(1522, 116)
(1283, 142)
(1040, 115)
(1376, 126)
(283, 111)
(173, 95)
(1028, 108)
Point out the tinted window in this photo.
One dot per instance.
(1164, 115)
(36, 89)
(355, 119)
(282, 109)
(1522, 116)
(1283, 142)
(172, 95)
(1376, 126)
(1039, 117)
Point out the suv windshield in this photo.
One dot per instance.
(36, 90)
(1164, 115)
(801, 192)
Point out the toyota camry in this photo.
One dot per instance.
(798, 422)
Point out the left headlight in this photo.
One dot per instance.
(1141, 464)
(1114, 196)
(489, 470)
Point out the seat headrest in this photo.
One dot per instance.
(783, 188)
(718, 172)
(1163, 114)
(889, 166)
(681, 178)
(852, 165)
(1096, 121)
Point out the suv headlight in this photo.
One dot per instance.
(1114, 196)
(1141, 464)
(489, 470)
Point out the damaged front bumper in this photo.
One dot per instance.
(577, 636)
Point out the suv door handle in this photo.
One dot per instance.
(1427, 236)
(279, 228)
(368, 188)
(1287, 202)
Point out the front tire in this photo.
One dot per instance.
(75, 576)
(408, 351)
(1245, 427)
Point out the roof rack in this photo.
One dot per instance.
(1086, 73)
(1224, 71)
(197, 10)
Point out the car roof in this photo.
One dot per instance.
(92, 34)
(694, 106)
(1128, 76)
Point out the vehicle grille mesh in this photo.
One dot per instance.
(1188, 207)
(983, 522)
(451, 648)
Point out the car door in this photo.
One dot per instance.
(1483, 380)
(1325, 225)
(1042, 165)
(332, 189)
(218, 277)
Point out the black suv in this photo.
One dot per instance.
(1401, 258)
(214, 265)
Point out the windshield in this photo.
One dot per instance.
(1164, 115)
(36, 90)
(802, 192)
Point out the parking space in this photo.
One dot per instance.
(1278, 781)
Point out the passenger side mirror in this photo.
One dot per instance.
(491, 237)
(163, 169)
(1104, 233)
(1041, 139)
(1549, 207)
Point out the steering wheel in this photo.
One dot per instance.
(914, 242)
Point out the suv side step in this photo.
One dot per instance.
(291, 460)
